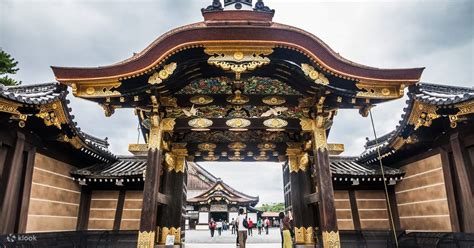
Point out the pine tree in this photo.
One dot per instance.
(7, 66)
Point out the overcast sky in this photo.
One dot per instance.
(437, 35)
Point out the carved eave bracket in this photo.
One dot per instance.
(175, 159)
(298, 160)
(12, 108)
(238, 59)
(100, 89)
(465, 108)
(422, 115)
(377, 90)
(53, 114)
(155, 137)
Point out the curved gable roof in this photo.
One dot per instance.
(235, 26)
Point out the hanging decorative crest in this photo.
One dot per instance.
(211, 157)
(237, 146)
(238, 98)
(239, 59)
(207, 146)
(237, 156)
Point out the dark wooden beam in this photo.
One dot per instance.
(27, 181)
(394, 208)
(84, 209)
(450, 193)
(465, 196)
(119, 210)
(9, 206)
(355, 210)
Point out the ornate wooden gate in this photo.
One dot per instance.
(237, 87)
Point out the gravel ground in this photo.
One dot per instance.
(202, 239)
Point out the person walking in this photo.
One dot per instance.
(232, 223)
(219, 227)
(242, 228)
(259, 226)
(250, 227)
(286, 230)
(212, 227)
(266, 224)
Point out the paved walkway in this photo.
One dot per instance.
(202, 239)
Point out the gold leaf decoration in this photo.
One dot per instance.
(201, 100)
(200, 124)
(275, 123)
(238, 98)
(158, 77)
(238, 124)
(146, 239)
(207, 146)
(274, 100)
(317, 77)
(374, 91)
(237, 146)
(266, 146)
(331, 239)
(238, 59)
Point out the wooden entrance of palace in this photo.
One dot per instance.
(237, 87)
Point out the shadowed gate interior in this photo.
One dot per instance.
(238, 87)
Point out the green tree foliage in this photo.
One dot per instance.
(272, 207)
(7, 66)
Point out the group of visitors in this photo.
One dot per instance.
(219, 226)
(243, 227)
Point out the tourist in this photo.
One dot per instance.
(266, 225)
(250, 223)
(242, 229)
(219, 227)
(259, 226)
(232, 223)
(286, 228)
(212, 227)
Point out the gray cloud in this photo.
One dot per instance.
(434, 34)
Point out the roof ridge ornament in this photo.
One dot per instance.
(237, 5)
(260, 6)
(215, 6)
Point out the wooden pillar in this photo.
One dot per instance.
(119, 210)
(462, 167)
(450, 193)
(175, 161)
(300, 183)
(10, 205)
(328, 226)
(147, 236)
(394, 208)
(355, 210)
(27, 181)
(84, 209)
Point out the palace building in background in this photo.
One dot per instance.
(236, 87)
